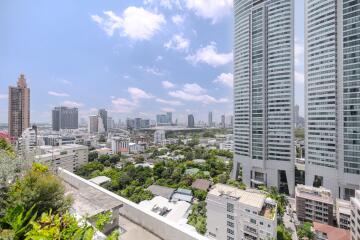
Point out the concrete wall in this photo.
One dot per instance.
(150, 221)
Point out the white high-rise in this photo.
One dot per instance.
(263, 92)
(332, 78)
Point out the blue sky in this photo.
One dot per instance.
(134, 58)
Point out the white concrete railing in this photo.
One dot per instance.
(147, 219)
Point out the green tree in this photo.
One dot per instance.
(40, 188)
(87, 169)
(282, 233)
(305, 231)
(93, 155)
(6, 146)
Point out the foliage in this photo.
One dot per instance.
(299, 133)
(197, 217)
(41, 188)
(200, 194)
(93, 156)
(236, 183)
(6, 146)
(102, 219)
(136, 194)
(282, 233)
(17, 221)
(305, 231)
(60, 227)
(87, 169)
(139, 159)
(280, 199)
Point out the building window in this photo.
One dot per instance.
(230, 224)
(253, 221)
(230, 217)
(230, 231)
(230, 207)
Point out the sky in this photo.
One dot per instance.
(135, 58)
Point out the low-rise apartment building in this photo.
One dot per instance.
(233, 213)
(314, 204)
(343, 209)
(355, 216)
(68, 156)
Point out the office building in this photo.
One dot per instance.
(314, 204)
(68, 157)
(164, 119)
(93, 124)
(210, 119)
(19, 108)
(332, 82)
(263, 93)
(191, 121)
(355, 216)
(233, 213)
(110, 123)
(104, 117)
(65, 118)
(223, 123)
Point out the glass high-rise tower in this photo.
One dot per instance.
(332, 75)
(263, 92)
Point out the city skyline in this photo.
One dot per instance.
(169, 76)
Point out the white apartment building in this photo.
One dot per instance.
(120, 144)
(238, 214)
(28, 142)
(332, 83)
(343, 209)
(68, 156)
(159, 137)
(263, 93)
(355, 216)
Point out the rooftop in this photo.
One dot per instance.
(333, 233)
(253, 199)
(320, 194)
(158, 190)
(100, 180)
(201, 184)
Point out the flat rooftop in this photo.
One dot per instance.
(253, 199)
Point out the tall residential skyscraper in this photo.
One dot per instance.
(191, 121)
(296, 115)
(332, 80)
(19, 108)
(223, 122)
(169, 116)
(104, 115)
(93, 124)
(263, 92)
(65, 118)
(210, 119)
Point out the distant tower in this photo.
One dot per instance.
(223, 123)
(191, 121)
(104, 116)
(65, 118)
(19, 108)
(210, 119)
(93, 124)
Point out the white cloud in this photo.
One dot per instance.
(122, 105)
(193, 88)
(169, 102)
(3, 96)
(210, 9)
(299, 53)
(209, 55)
(66, 82)
(178, 42)
(137, 94)
(194, 92)
(135, 23)
(151, 70)
(226, 79)
(159, 58)
(299, 77)
(178, 19)
(169, 4)
(58, 94)
(72, 104)
(168, 110)
(167, 84)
